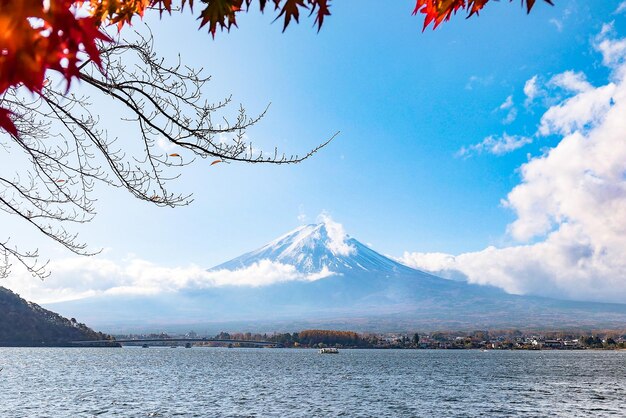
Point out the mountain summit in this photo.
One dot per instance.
(317, 248)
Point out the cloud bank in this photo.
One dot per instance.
(77, 278)
(81, 277)
(570, 205)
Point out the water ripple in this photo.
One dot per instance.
(207, 382)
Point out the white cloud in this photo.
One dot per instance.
(621, 8)
(336, 236)
(579, 112)
(165, 145)
(476, 81)
(532, 90)
(571, 203)
(613, 51)
(441, 264)
(80, 277)
(495, 145)
(571, 81)
(509, 105)
(302, 216)
(510, 117)
(557, 24)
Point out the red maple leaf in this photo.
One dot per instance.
(437, 11)
(37, 36)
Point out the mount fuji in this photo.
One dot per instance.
(319, 248)
(318, 276)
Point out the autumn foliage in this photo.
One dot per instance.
(37, 36)
(316, 336)
(437, 11)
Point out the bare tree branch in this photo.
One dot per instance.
(67, 152)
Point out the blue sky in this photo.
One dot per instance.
(405, 103)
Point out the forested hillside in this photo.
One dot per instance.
(27, 324)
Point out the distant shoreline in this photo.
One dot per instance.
(315, 349)
(59, 345)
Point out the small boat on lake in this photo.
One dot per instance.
(328, 350)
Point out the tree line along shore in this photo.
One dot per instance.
(498, 339)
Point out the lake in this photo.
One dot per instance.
(220, 382)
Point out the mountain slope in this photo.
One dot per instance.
(312, 248)
(340, 283)
(26, 324)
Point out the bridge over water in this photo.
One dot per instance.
(143, 341)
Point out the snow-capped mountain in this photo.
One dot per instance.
(331, 280)
(316, 248)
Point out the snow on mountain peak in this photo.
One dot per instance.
(318, 248)
(337, 237)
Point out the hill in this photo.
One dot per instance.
(27, 324)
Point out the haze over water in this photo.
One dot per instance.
(204, 382)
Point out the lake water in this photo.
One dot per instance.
(215, 382)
